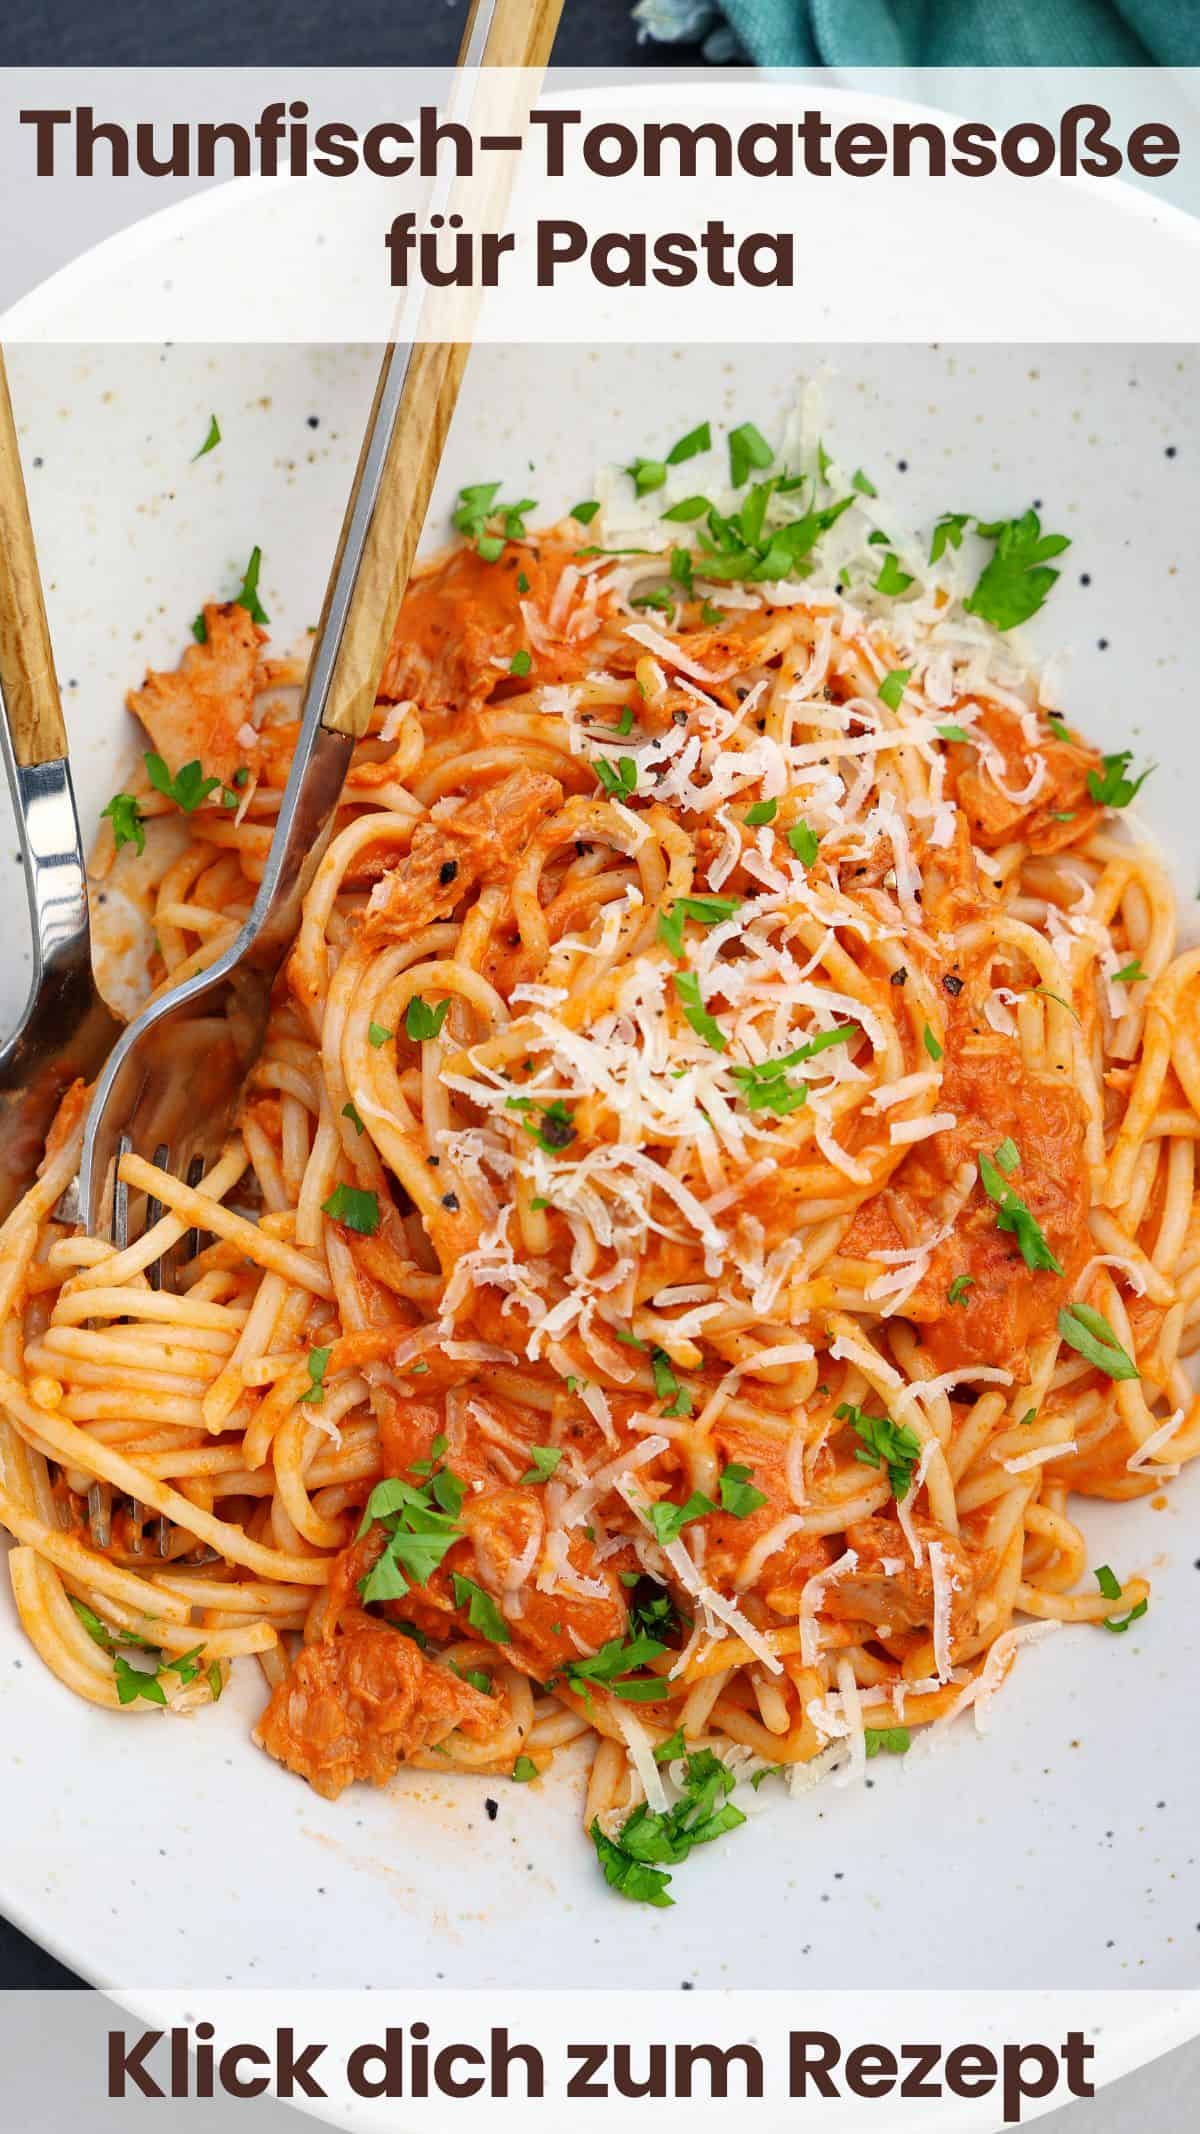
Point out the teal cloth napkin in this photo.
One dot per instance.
(933, 33)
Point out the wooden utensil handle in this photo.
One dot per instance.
(27, 678)
(520, 33)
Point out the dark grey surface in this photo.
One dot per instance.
(326, 33)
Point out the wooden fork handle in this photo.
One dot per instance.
(27, 678)
(519, 33)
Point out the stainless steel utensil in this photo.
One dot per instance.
(66, 1030)
(174, 1080)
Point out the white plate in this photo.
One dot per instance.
(1060, 1850)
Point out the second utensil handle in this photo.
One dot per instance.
(27, 678)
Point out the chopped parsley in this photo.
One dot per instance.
(545, 1459)
(766, 1087)
(1089, 1333)
(706, 911)
(482, 1612)
(666, 1751)
(859, 481)
(421, 1021)
(893, 686)
(950, 731)
(476, 512)
(711, 615)
(585, 513)
(1132, 974)
(737, 1492)
(247, 594)
(762, 811)
(957, 1292)
(1015, 1216)
(747, 448)
(317, 1362)
(687, 987)
(931, 1044)
(377, 1035)
(353, 1208)
(687, 509)
(122, 812)
(553, 1130)
(697, 440)
(891, 578)
(668, 1520)
(421, 1525)
(615, 1666)
(884, 1443)
(616, 778)
(1008, 1156)
(133, 1682)
(651, 1840)
(1016, 580)
(189, 788)
(667, 1386)
(804, 842)
(625, 722)
(1115, 789)
(212, 440)
(647, 475)
(948, 533)
(524, 1769)
(1110, 1587)
(887, 1740)
(349, 1112)
(521, 662)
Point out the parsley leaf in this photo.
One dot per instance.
(950, 731)
(1115, 789)
(521, 662)
(545, 1459)
(122, 813)
(893, 686)
(421, 1021)
(133, 1682)
(667, 1386)
(932, 1046)
(804, 842)
(377, 1035)
(553, 1131)
(1008, 1156)
(859, 481)
(1016, 1217)
(1089, 1333)
(212, 440)
(957, 1292)
(1110, 1586)
(618, 778)
(354, 1209)
(706, 911)
(584, 512)
(317, 1361)
(247, 596)
(884, 1443)
(482, 1612)
(697, 440)
(477, 509)
(887, 1740)
(687, 987)
(687, 509)
(667, 1520)
(948, 533)
(891, 578)
(648, 1837)
(737, 1493)
(1132, 974)
(349, 1112)
(761, 812)
(747, 448)
(189, 788)
(647, 475)
(524, 1769)
(1014, 583)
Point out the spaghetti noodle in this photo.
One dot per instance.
(721, 1175)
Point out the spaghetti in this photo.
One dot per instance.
(720, 1176)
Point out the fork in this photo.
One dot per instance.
(174, 1080)
(66, 1029)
